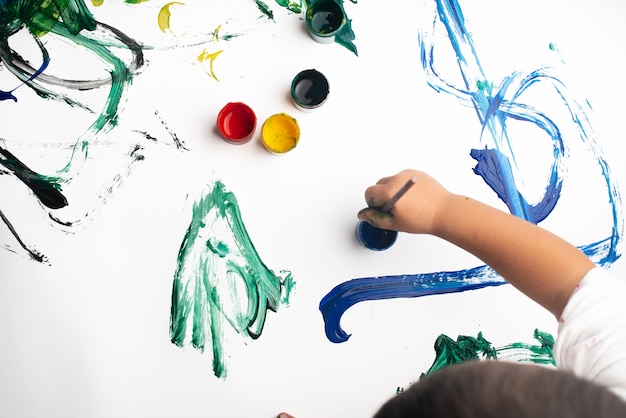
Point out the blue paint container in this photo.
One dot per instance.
(309, 90)
(376, 239)
(324, 18)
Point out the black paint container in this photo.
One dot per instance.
(309, 89)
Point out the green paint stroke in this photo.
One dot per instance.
(467, 348)
(295, 7)
(265, 9)
(220, 279)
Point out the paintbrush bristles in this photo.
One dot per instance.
(387, 206)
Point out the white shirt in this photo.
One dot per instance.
(592, 331)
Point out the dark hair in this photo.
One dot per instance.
(486, 389)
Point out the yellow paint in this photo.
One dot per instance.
(216, 33)
(164, 16)
(205, 56)
(280, 133)
(97, 2)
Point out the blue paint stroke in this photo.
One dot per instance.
(349, 293)
(8, 95)
(493, 106)
(496, 165)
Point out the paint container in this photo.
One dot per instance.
(376, 239)
(324, 18)
(280, 133)
(236, 123)
(309, 90)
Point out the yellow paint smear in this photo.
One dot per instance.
(205, 56)
(280, 133)
(163, 18)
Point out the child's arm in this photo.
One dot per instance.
(543, 266)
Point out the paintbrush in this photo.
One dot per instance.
(387, 206)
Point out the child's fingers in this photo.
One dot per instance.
(376, 218)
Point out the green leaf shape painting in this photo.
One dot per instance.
(220, 279)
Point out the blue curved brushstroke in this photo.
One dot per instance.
(496, 165)
(8, 95)
(349, 293)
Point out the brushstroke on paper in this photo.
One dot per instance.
(466, 348)
(220, 279)
(66, 22)
(496, 165)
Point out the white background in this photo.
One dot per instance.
(87, 335)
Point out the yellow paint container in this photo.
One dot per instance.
(280, 133)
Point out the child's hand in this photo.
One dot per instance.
(415, 212)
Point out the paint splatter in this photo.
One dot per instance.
(290, 5)
(210, 57)
(220, 279)
(497, 166)
(552, 46)
(467, 348)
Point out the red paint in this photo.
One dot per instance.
(236, 123)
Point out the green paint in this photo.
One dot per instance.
(68, 19)
(485, 86)
(467, 348)
(345, 35)
(554, 48)
(265, 9)
(291, 6)
(540, 354)
(41, 17)
(221, 279)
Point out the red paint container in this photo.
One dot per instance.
(236, 123)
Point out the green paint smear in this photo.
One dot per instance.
(220, 279)
(554, 48)
(467, 348)
(485, 86)
(265, 9)
(291, 6)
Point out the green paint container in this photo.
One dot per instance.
(324, 18)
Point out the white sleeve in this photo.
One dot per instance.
(591, 339)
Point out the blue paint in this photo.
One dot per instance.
(349, 293)
(376, 239)
(8, 95)
(494, 106)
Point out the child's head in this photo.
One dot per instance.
(503, 389)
